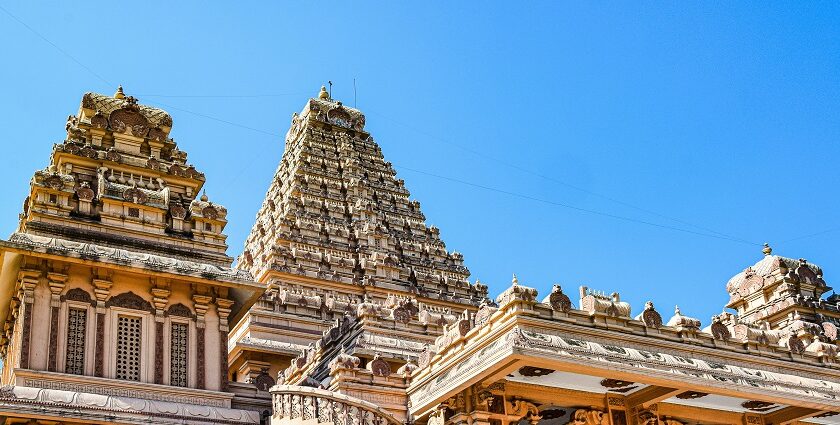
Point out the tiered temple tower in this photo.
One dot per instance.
(337, 234)
(116, 293)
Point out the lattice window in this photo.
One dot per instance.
(128, 347)
(178, 355)
(76, 330)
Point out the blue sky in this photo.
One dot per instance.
(724, 117)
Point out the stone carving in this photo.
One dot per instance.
(344, 361)
(210, 212)
(647, 417)
(296, 403)
(615, 383)
(719, 330)
(683, 322)
(795, 345)
(79, 294)
(534, 371)
(131, 301)
(178, 211)
(379, 367)
(485, 310)
(180, 310)
(84, 192)
(690, 395)
(516, 292)
(76, 249)
(589, 417)
(758, 406)
(263, 381)
(830, 330)
(650, 316)
(558, 300)
(524, 409)
(599, 303)
(135, 195)
(113, 155)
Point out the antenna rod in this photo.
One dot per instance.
(354, 93)
(330, 82)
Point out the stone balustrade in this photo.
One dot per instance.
(306, 405)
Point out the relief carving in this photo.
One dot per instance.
(131, 301)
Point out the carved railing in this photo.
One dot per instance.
(294, 405)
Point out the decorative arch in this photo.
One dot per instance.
(179, 310)
(78, 294)
(130, 300)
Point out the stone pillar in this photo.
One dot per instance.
(27, 280)
(102, 288)
(223, 307)
(160, 297)
(201, 304)
(57, 281)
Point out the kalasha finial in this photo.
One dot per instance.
(204, 197)
(515, 281)
(767, 250)
(323, 94)
(119, 94)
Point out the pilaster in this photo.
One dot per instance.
(102, 289)
(160, 298)
(201, 303)
(27, 281)
(223, 306)
(57, 282)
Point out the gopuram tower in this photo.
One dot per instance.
(116, 292)
(339, 242)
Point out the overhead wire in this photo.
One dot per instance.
(712, 233)
(62, 51)
(561, 182)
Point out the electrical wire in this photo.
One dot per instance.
(714, 233)
(571, 207)
(561, 182)
(32, 30)
(221, 96)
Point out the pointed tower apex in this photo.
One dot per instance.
(119, 94)
(767, 250)
(323, 94)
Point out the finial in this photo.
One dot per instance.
(119, 94)
(515, 281)
(204, 196)
(767, 250)
(677, 310)
(323, 94)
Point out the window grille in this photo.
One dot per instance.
(76, 330)
(178, 355)
(128, 348)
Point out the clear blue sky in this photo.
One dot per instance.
(723, 116)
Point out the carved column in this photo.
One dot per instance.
(102, 288)
(27, 280)
(223, 307)
(201, 304)
(57, 282)
(160, 297)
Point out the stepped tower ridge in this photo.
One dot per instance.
(119, 180)
(336, 211)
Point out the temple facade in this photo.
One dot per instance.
(119, 304)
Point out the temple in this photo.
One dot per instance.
(345, 308)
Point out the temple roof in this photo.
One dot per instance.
(106, 105)
(336, 210)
